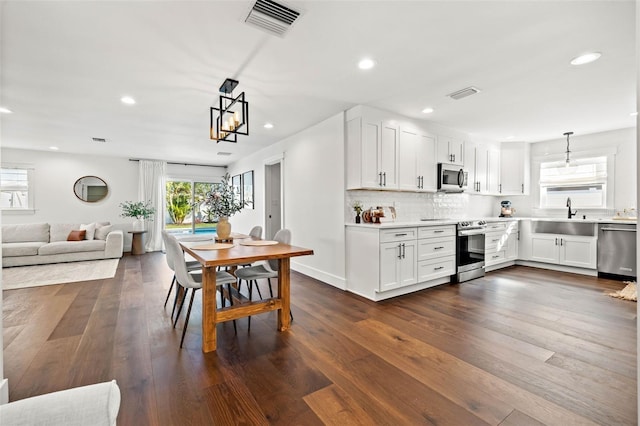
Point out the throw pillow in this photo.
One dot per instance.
(102, 231)
(91, 230)
(76, 235)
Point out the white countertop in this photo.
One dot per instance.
(438, 222)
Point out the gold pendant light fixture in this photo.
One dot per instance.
(231, 117)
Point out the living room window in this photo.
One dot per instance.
(16, 189)
(584, 180)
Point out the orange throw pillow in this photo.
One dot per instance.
(76, 235)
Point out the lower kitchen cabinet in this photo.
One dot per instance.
(568, 250)
(397, 264)
(501, 243)
(388, 262)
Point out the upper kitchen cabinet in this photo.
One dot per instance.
(372, 147)
(515, 168)
(483, 165)
(450, 151)
(417, 161)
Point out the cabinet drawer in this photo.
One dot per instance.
(431, 248)
(495, 241)
(436, 231)
(493, 258)
(496, 226)
(398, 234)
(436, 268)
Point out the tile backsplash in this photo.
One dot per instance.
(412, 206)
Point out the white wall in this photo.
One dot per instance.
(625, 178)
(313, 196)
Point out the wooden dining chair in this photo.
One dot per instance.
(190, 281)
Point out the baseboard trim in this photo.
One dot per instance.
(561, 268)
(333, 280)
(4, 391)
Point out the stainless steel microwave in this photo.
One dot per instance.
(452, 178)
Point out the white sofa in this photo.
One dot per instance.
(95, 405)
(40, 243)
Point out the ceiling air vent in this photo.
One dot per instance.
(272, 17)
(464, 93)
(99, 139)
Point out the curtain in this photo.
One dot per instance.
(151, 188)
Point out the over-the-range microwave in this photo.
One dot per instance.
(452, 178)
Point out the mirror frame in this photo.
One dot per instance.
(78, 196)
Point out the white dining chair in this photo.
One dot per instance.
(192, 266)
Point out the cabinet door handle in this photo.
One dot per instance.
(495, 257)
(438, 248)
(399, 251)
(380, 179)
(454, 157)
(523, 188)
(401, 235)
(500, 188)
(403, 251)
(561, 241)
(384, 176)
(438, 231)
(495, 241)
(556, 241)
(421, 182)
(518, 237)
(438, 268)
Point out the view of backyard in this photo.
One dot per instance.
(185, 211)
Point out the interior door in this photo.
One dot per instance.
(273, 199)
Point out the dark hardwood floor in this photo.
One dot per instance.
(521, 346)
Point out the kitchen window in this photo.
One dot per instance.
(16, 189)
(584, 180)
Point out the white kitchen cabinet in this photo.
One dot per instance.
(372, 147)
(436, 252)
(515, 168)
(450, 150)
(568, 250)
(416, 161)
(397, 264)
(483, 165)
(501, 243)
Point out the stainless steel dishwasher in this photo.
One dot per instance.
(617, 249)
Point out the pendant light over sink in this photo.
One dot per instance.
(567, 134)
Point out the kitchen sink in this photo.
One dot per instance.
(566, 228)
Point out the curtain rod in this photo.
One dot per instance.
(179, 164)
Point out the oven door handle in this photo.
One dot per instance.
(466, 232)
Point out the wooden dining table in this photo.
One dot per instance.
(240, 254)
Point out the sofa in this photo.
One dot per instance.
(95, 405)
(41, 243)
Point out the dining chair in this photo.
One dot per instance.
(266, 270)
(192, 282)
(192, 266)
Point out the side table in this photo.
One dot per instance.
(137, 242)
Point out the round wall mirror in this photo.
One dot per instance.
(90, 189)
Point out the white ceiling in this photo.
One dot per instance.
(65, 65)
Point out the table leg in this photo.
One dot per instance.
(209, 309)
(284, 293)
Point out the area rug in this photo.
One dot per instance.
(57, 273)
(630, 292)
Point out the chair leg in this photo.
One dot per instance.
(186, 290)
(175, 300)
(169, 292)
(270, 288)
(291, 314)
(186, 320)
(258, 288)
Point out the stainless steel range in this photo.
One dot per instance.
(470, 250)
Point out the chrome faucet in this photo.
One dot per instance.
(569, 214)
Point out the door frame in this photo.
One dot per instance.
(269, 162)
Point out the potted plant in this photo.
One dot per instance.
(357, 207)
(221, 202)
(139, 210)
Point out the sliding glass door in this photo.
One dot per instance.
(184, 212)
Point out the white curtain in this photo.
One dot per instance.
(151, 188)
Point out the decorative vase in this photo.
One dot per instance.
(223, 228)
(357, 218)
(138, 225)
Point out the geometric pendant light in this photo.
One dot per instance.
(231, 117)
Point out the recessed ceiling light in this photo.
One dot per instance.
(508, 138)
(127, 100)
(53, 148)
(427, 110)
(268, 126)
(5, 110)
(224, 153)
(586, 58)
(634, 113)
(366, 64)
